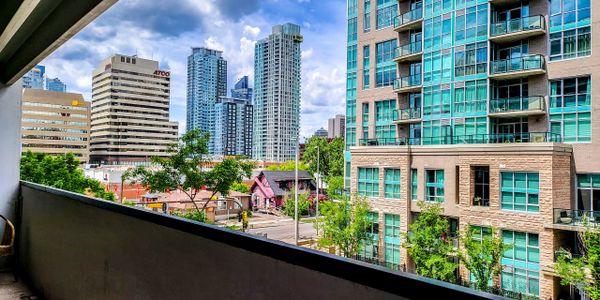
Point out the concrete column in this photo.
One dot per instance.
(10, 149)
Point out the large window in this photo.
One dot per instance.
(437, 67)
(370, 251)
(387, 10)
(434, 185)
(436, 7)
(568, 14)
(384, 127)
(471, 60)
(437, 33)
(470, 97)
(368, 182)
(436, 101)
(570, 103)
(367, 16)
(366, 66)
(572, 127)
(414, 184)
(392, 241)
(391, 183)
(571, 92)
(521, 263)
(350, 137)
(482, 186)
(588, 192)
(520, 191)
(365, 120)
(470, 130)
(386, 67)
(436, 132)
(472, 25)
(570, 43)
(352, 30)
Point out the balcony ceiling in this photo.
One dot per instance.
(32, 29)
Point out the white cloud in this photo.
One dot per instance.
(254, 31)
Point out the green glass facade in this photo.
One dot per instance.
(520, 191)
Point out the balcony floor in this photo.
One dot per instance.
(515, 36)
(9, 289)
(409, 25)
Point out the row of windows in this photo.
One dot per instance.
(49, 105)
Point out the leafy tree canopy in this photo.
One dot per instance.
(289, 165)
(330, 156)
(481, 254)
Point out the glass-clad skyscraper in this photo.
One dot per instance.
(55, 84)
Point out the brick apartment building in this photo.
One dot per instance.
(485, 107)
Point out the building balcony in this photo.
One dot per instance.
(504, 3)
(389, 142)
(408, 84)
(505, 138)
(576, 220)
(409, 52)
(518, 107)
(409, 20)
(520, 67)
(517, 29)
(407, 115)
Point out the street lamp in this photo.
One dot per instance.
(318, 185)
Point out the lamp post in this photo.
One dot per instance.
(318, 186)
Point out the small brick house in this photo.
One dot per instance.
(270, 188)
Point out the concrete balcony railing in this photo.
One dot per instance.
(409, 52)
(517, 29)
(409, 20)
(512, 107)
(407, 84)
(578, 218)
(407, 115)
(519, 67)
(70, 246)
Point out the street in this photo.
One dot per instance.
(284, 231)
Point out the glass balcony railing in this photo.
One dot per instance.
(523, 63)
(389, 142)
(517, 25)
(407, 82)
(408, 17)
(576, 217)
(532, 103)
(408, 49)
(406, 114)
(506, 138)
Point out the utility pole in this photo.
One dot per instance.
(296, 229)
(318, 186)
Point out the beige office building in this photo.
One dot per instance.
(130, 111)
(483, 106)
(55, 123)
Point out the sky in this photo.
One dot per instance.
(167, 30)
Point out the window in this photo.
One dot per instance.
(434, 185)
(437, 67)
(482, 186)
(368, 182)
(414, 184)
(386, 12)
(436, 132)
(437, 33)
(572, 127)
(436, 7)
(520, 191)
(370, 251)
(352, 30)
(471, 60)
(521, 263)
(568, 14)
(571, 92)
(470, 130)
(570, 102)
(392, 241)
(588, 192)
(391, 183)
(367, 16)
(471, 97)
(384, 110)
(366, 66)
(350, 137)
(436, 101)
(351, 63)
(472, 24)
(570, 44)
(386, 67)
(365, 120)
(479, 233)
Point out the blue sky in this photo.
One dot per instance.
(166, 31)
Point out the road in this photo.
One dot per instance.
(284, 231)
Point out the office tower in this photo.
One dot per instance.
(336, 127)
(277, 94)
(233, 128)
(484, 107)
(55, 84)
(34, 78)
(130, 111)
(55, 123)
(207, 81)
(242, 89)
(321, 132)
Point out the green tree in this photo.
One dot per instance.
(289, 206)
(191, 215)
(61, 171)
(344, 224)
(584, 271)
(335, 186)
(481, 254)
(289, 165)
(189, 169)
(330, 156)
(428, 243)
(240, 187)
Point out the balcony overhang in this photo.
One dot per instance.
(418, 56)
(409, 25)
(516, 36)
(408, 121)
(517, 113)
(517, 74)
(32, 29)
(408, 89)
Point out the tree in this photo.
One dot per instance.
(189, 169)
(335, 186)
(582, 272)
(289, 205)
(289, 165)
(240, 187)
(62, 172)
(345, 224)
(330, 156)
(429, 245)
(481, 254)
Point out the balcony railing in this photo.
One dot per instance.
(407, 82)
(408, 17)
(518, 25)
(406, 114)
(407, 50)
(532, 103)
(523, 137)
(524, 63)
(576, 217)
